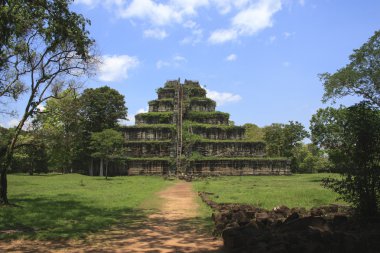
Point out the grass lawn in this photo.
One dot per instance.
(70, 206)
(299, 190)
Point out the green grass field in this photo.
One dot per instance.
(301, 190)
(71, 206)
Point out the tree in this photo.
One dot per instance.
(59, 125)
(351, 137)
(282, 138)
(360, 77)
(101, 108)
(308, 158)
(107, 146)
(254, 132)
(44, 43)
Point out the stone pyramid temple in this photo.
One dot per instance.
(183, 134)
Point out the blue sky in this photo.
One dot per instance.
(259, 59)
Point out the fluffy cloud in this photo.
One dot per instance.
(222, 98)
(131, 118)
(155, 34)
(175, 61)
(231, 57)
(116, 67)
(223, 35)
(248, 21)
(248, 16)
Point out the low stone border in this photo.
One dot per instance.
(330, 228)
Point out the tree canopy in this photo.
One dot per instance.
(101, 108)
(361, 76)
(351, 137)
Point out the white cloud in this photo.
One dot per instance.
(41, 108)
(131, 119)
(161, 64)
(248, 16)
(248, 21)
(222, 98)
(155, 34)
(272, 39)
(157, 13)
(222, 35)
(231, 57)
(196, 33)
(175, 61)
(116, 67)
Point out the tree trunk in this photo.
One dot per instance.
(91, 170)
(3, 187)
(106, 169)
(101, 167)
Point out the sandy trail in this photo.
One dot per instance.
(173, 228)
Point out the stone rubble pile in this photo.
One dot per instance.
(245, 228)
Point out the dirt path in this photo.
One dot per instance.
(175, 227)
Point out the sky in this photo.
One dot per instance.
(259, 59)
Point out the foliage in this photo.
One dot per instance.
(203, 101)
(308, 158)
(299, 190)
(107, 145)
(150, 126)
(282, 138)
(43, 43)
(60, 128)
(30, 151)
(253, 132)
(101, 108)
(194, 91)
(203, 116)
(360, 77)
(351, 136)
(168, 101)
(155, 117)
(72, 206)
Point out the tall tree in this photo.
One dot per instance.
(361, 76)
(351, 137)
(100, 109)
(45, 43)
(282, 138)
(107, 146)
(254, 132)
(59, 125)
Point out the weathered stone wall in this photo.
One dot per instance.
(165, 93)
(219, 133)
(212, 118)
(147, 167)
(201, 106)
(240, 167)
(161, 106)
(230, 149)
(148, 148)
(147, 133)
(154, 118)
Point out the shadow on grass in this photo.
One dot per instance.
(132, 231)
(46, 218)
